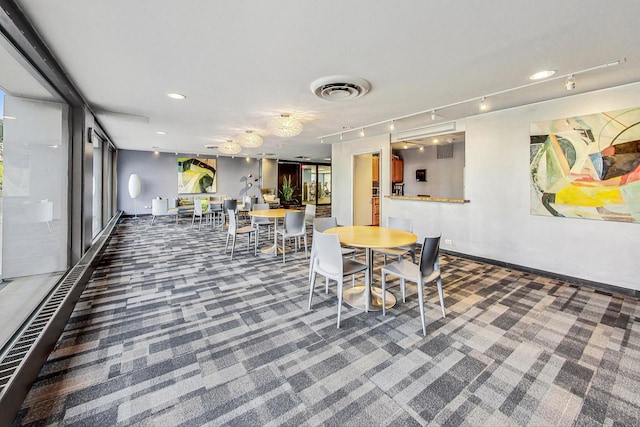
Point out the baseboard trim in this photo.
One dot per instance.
(603, 287)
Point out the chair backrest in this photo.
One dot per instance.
(230, 204)
(322, 224)
(429, 255)
(327, 252)
(310, 211)
(405, 224)
(294, 222)
(260, 206)
(159, 206)
(232, 221)
(247, 201)
(197, 206)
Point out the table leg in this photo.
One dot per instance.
(359, 296)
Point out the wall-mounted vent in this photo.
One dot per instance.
(445, 151)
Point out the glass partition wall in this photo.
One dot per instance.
(316, 184)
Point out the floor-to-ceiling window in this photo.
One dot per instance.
(34, 187)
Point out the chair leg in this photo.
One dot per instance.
(403, 287)
(305, 245)
(441, 295)
(248, 241)
(339, 300)
(153, 218)
(226, 244)
(421, 298)
(326, 285)
(312, 286)
(284, 249)
(233, 245)
(367, 286)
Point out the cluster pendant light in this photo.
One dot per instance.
(229, 147)
(249, 139)
(285, 126)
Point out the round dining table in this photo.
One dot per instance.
(368, 238)
(274, 214)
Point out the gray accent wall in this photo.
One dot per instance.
(497, 223)
(159, 177)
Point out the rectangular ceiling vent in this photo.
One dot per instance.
(423, 132)
(445, 151)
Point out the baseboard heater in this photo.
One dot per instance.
(22, 359)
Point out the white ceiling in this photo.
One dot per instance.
(242, 62)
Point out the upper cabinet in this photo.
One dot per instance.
(397, 170)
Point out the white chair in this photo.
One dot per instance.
(293, 227)
(199, 211)
(330, 263)
(322, 224)
(230, 204)
(233, 231)
(428, 271)
(258, 222)
(405, 224)
(160, 207)
(309, 214)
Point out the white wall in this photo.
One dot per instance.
(342, 173)
(496, 224)
(444, 176)
(159, 178)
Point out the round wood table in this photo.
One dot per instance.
(274, 214)
(360, 236)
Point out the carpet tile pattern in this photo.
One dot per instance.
(171, 332)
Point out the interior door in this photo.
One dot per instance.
(362, 189)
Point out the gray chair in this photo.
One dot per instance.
(322, 224)
(309, 214)
(217, 210)
(293, 227)
(405, 224)
(330, 263)
(233, 231)
(259, 222)
(428, 271)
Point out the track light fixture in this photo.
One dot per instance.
(570, 83)
(483, 104)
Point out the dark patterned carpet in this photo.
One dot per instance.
(170, 332)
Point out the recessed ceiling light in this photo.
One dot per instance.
(175, 95)
(542, 74)
(161, 132)
(8, 117)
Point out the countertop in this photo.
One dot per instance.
(428, 199)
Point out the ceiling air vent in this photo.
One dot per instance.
(340, 88)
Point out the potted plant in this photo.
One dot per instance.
(287, 192)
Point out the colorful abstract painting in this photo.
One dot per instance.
(196, 176)
(587, 167)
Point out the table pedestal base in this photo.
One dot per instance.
(357, 297)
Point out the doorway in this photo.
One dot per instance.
(366, 185)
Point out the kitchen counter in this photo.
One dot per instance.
(429, 199)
